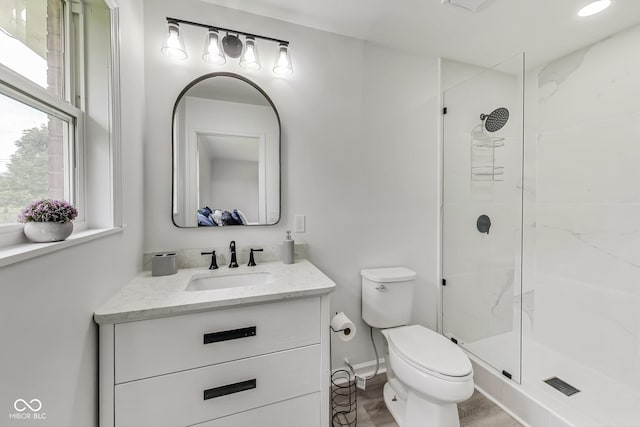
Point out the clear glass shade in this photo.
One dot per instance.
(213, 53)
(174, 46)
(250, 59)
(282, 65)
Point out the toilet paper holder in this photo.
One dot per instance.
(346, 330)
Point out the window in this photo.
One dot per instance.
(35, 156)
(40, 127)
(32, 41)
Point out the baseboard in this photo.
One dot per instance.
(366, 370)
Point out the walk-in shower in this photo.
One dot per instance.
(548, 301)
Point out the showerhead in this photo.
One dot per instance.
(496, 120)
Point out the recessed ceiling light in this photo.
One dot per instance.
(595, 7)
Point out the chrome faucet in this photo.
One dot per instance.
(232, 248)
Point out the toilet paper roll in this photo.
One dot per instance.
(343, 326)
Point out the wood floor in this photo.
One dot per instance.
(478, 411)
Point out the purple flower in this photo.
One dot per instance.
(48, 210)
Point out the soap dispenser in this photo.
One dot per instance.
(287, 249)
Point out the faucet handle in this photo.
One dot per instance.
(252, 262)
(214, 263)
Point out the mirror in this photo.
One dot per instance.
(226, 154)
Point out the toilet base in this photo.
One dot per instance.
(419, 412)
(396, 406)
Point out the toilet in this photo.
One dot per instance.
(427, 375)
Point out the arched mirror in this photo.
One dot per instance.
(226, 154)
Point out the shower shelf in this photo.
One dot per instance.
(487, 173)
(487, 170)
(483, 146)
(487, 141)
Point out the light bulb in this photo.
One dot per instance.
(174, 46)
(282, 66)
(212, 52)
(249, 59)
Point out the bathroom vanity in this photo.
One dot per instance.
(226, 347)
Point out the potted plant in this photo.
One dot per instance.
(48, 220)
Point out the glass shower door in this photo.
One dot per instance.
(482, 212)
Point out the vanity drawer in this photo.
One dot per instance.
(198, 395)
(154, 347)
(297, 412)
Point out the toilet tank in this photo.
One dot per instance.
(387, 296)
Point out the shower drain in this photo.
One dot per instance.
(563, 387)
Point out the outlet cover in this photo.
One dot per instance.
(300, 224)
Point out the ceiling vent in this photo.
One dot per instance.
(472, 5)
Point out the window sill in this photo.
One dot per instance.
(24, 251)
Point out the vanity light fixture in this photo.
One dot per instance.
(217, 51)
(595, 7)
(250, 59)
(282, 66)
(174, 46)
(213, 53)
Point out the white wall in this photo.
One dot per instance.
(586, 251)
(235, 182)
(49, 340)
(359, 152)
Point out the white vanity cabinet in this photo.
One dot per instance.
(260, 364)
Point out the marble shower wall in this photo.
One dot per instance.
(582, 240)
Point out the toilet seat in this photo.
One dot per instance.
(429, 352)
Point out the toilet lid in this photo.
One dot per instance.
(430, 351)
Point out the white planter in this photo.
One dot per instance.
(43, 232)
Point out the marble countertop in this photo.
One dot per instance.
(148, 297)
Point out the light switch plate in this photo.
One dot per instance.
(300, 224)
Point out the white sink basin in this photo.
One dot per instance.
(209, 281)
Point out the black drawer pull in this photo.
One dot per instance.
(233, 334)
(212, 393)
